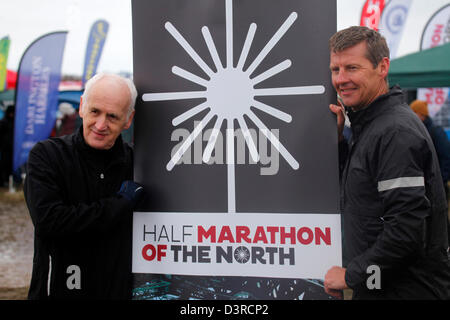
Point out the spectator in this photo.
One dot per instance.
(439, 137)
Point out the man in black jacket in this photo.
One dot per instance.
(392, 200)
(80, 195)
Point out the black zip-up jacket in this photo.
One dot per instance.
(83, 229)
(394, 206)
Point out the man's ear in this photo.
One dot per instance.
(130, 120)
(80, 108)
(384, 67)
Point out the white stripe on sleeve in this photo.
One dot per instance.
(403, 182)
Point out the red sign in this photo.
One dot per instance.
(371, 13)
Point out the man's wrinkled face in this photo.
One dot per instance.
(355, 78)
(105, 113)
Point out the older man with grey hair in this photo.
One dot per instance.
(81, 196)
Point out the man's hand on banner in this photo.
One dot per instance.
(339, 111)
(335, 281)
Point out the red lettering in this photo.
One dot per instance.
(158, 252)
(273, 231)
(161, 251)
(290, 235)
(145, 250)
(429, 97)
(242, 233)
(439, 100)
(211, 233)
(260, 235)
(319, 235)
(309, 233)
(436, 38)
(226, 235)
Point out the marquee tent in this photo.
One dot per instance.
(424, 69)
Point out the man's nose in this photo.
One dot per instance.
(341, 77)
(101, 123)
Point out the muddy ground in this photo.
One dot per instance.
(16, 246)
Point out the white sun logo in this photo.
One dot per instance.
(230, 94)
(241, 254)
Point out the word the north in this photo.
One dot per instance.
(226, 254)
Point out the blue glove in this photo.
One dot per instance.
(132, 191)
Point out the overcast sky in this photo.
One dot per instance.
(26, 20)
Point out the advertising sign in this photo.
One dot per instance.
(435, 33)
(237, 149)
(37, 93)
(4, 50)
(96, 40)
(392, 22)
(371, 13)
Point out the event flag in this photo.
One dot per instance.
(4, 49)
(371, 13)
(94, 48)
(435, 33)
(392, 23)
(37, 93)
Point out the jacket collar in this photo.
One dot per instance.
(102, 158)
(383, 102)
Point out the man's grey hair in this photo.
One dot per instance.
(377, 48)
(133, 92)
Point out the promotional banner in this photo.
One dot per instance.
(392, 22)
(236, 148)
(37, 93)
(4, 49)
(371, 13)
(436, 33)
(96, 40)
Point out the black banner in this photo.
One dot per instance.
(232, 120)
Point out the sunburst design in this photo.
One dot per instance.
(230, 93)
(241, 254)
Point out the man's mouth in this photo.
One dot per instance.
(99, 133)
(347, 91)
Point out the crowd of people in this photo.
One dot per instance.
(394, 167)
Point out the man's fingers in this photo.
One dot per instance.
(338, 110)
(334, 293)
(340, 118)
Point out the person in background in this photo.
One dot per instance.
(81, 196)
(439, 137)
(392, 200)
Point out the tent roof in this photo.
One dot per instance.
(424, 69)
